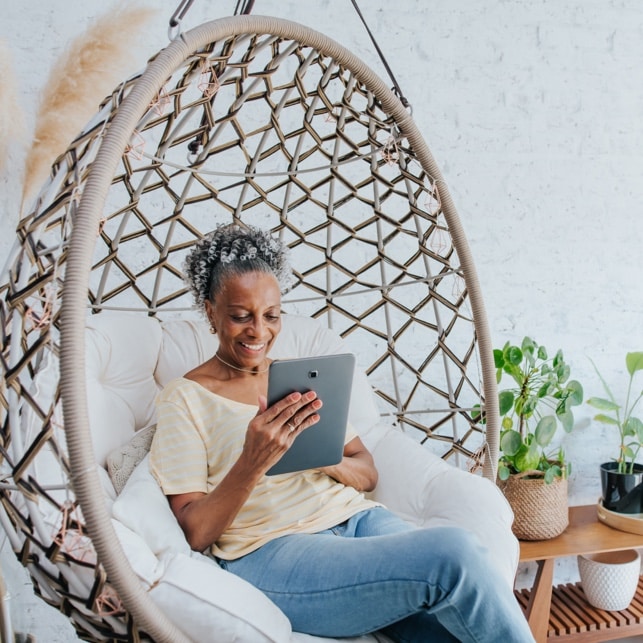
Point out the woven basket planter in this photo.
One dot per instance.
(540, 510)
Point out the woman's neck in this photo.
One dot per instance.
(250, 371)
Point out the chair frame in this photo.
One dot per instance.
(79, 251)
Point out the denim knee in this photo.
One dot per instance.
(455, 549)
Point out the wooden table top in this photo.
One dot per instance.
(584, 535)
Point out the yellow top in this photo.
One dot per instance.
(200, 435)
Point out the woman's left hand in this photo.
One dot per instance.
(356, 468)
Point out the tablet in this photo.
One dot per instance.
(331, 377)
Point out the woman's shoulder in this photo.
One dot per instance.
(186, 390)
(181, 388)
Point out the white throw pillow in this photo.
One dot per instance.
(143, 508)
(121, 462)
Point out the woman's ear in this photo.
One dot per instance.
(209, 311)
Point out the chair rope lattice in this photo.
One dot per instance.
(248, 119)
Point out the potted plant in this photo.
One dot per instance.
(622, 478)
(532, 475)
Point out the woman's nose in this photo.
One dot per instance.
(257, 327)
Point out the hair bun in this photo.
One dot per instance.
(231, 243)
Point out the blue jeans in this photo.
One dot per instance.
(375, 571)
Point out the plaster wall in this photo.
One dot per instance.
(534, 112)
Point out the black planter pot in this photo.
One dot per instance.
(622, 492)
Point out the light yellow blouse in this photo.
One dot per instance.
(200, 435)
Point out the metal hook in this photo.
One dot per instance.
(174, 30)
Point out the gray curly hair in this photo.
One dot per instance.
(233, 249)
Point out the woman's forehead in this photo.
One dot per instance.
(240, 289)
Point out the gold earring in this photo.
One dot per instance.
(213, 330)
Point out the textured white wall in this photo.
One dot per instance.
(533, 111)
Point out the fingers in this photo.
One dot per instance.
(303, 419)
(306, 416)
(272, 431)
(296, 405)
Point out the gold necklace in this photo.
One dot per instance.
(243, 370)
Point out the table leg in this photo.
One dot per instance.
(540, 600)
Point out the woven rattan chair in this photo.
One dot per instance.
(268, 122)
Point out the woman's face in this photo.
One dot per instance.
(246, 314)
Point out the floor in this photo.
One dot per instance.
(30, 615)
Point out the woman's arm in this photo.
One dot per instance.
(356, 469)
(204, 517)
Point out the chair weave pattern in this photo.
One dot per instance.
(271, 131)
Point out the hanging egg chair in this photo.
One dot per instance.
(265, 122)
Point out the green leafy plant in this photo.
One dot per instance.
(630, 428)
(533, 409)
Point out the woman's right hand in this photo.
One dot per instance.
(274, 428)
(204, 517)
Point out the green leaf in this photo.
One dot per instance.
(566, 419)
(634, 362)
(639, 429)
(529, 345)
(544, 390)
(542, 352)
(507, 422)
(527, 458)
(605, 419)
(514, 371)
(552, 473)
(545, 430)
(633, 426)
(603, 404)
(562, 372)
(528, 407)
(513, 355)
(505, 402)
(498, 358)
(575, 389)
(558, 359)
(510, 442)
(503, 471)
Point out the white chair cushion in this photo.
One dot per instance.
(201, 598)
(121, 354)
(429, 492)
(211, 603)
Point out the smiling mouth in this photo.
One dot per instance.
(253, 347)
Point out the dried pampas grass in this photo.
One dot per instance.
(92, 65)
(11, 119)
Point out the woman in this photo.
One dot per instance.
(335, 562)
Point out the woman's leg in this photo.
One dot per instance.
(346, 582)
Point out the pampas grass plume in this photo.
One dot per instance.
(11, 119)
(89, 69)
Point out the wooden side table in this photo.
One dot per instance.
(562, 613)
